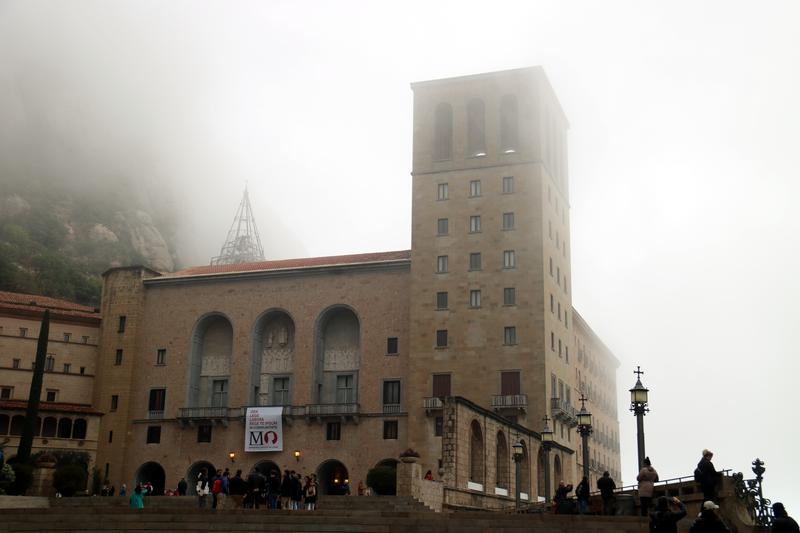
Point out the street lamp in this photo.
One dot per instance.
(517, 450)
(585, 429)
(547, 442)
(639, 408)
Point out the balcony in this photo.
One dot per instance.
(155, 414)
(433, 404)
(563, 411)
(510, 402)
(333, 410)
(391, 409)
(219, 415)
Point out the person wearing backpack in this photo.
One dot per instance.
(662, 520)
(202, 488)
(646, 478)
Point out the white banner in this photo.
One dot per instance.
(263, 429)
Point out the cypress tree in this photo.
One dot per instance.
(26, 442)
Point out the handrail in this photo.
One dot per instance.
(665, 482)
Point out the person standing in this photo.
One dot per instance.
(123, 490)
(274, 489)
(562, 499)
(665, 521)
(582, 493)
(709, 521)
(286, 490)
(137, 500)
(202, 488)
(182, 487)
(646, 478)
(707, 476)
(216, 488)
(607, 487)
(782, 522)
(311, 493)
(296, 492)
(237, 488)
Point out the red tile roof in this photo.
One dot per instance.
(34, 304)
(289, 264)
(77, 408)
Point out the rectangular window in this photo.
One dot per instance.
(438, 426)
(49, 363)
(110, 436)
(333, 431)
(204, 433)
(552, 341)
(475, 298)
(550, 229)
(121, 326)
(475, 261)
(441, 338)
(474, 188)
(157, 401)
(15, 363)
(552, 304)
(553, 389)
(441, 300)
(85, 339)
(67, 368)
(23, 332)
(219, 393)
(442, 226)
(441, 385)
(344, 389)
(114, 402)
(509, 383)
(153, 434)
(67, 337)
(118, 357)
(474, 223)
(559, 311)
(391, 346)
(558, 276)
(161, 356)
(551, 266)
(508, 184)
(280, 391)
(6, 393)
(559, 347)
(441, 264)
(83, 370)
(566, 319)
(390, 429)
(509, 259)
(509, 296)
(510, 335)
(441, 191)
(565, 285)
(558, 242)
(391, 392)
(566, 353)
(508, 221)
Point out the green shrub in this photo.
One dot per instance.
(70, 479)
(7, 477)
(23, 479)
(383, 480)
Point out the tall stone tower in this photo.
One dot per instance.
(490, 306)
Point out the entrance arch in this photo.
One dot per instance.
(333, 477)
(194, 471)
(153, 473)
(266, 466)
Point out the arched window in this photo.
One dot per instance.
(476, 128)
(210, 362)
(79, 429)
(49, 427)
(273, 359)
(64, 428)
(509, 127)
(338, 356)
(443, 132)
(476, 453)
(5, 421)
(502, 463)
(17, 425)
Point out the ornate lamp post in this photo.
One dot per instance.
(547, 442)
(639, 408)
(585, 429)
(517, 453)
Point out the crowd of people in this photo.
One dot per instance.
(292, 491)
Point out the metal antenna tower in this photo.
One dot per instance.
(243, 245)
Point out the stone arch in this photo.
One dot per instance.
(79, 428)
(210, 361)
(5, 422)
(387, 463)
(525, 471)
(502, 463)
(540, 472)
(476, 453)
(266, 466)
(49, 426)
(65, 428)
(333, 477)
(476, 128)
(17, 425)
(338, 355)
(153, 473)
(272, 357)
(194, 472)
(509, 124)
(443, 132)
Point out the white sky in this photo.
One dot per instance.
(683, 173)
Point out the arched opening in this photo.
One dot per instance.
(64, 428)
(502, 463)
(476, 468)
(5, 421)
(333, 478)
(273, 359)
(476, 129)
(540, 472)
(154, 474)
(49, 427)
(338, 356)
(194, 473)
(17, 424)
(210, 361)
(443, 132)
(266, 466)
(558, 475)
(525, 472)
(79, 429)
(509, 128)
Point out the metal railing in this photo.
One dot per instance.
(561, 410)
(332, 409)
(391, 408)
(433, 402)
(517, 401)
(208, 412)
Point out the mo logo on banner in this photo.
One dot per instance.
(263, 429)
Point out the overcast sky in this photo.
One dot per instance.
(685, 120)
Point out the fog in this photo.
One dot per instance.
(682, 151)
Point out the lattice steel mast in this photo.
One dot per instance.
(243, 245)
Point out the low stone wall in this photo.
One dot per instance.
(24, 502)
(410, 483)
